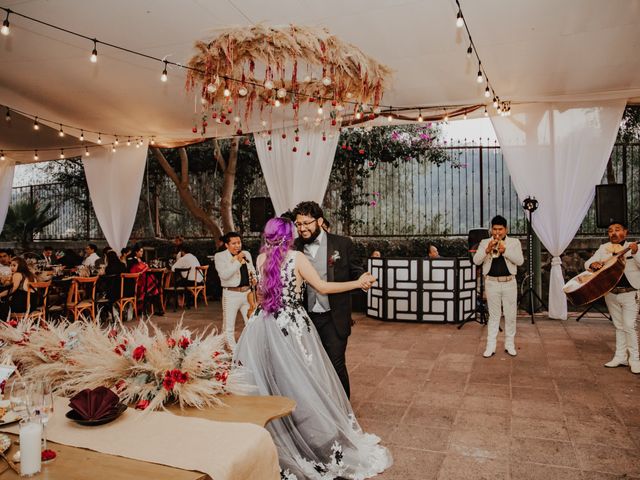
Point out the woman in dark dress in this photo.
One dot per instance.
(112, 273)
(14, 300)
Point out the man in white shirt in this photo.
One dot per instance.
(91, 256)
(237, 275)
(5, 262)
(188, 260)
(622, 300)
(500, 257)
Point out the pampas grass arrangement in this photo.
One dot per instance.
(142, 364)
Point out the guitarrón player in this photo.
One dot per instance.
(622, 300)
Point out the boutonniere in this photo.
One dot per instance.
(334, 258)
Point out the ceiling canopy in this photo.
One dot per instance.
(536, 50)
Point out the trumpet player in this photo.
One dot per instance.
(500, 257)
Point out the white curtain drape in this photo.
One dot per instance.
(293, 177)
(7, 169)
(115, 182)
(557, 152)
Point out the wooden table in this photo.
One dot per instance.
(79, 464)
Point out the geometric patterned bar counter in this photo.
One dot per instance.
(422, 289)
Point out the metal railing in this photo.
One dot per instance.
(408, 199)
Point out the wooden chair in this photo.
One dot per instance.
(77, 303)
(163, 277)
(36, 302)
(199, 287)
(177, 285)
(125, 293)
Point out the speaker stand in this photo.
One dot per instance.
(531, 292)
(594, 306)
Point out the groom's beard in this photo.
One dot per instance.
(312, 238)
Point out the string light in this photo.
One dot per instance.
(480, 78)
(99, 138)
(495, 102)
(113, 149)
(464, 117)
(487, 92)
(320, 111)
(94, 52)
(35, 155)
(61, 154)
(129, 142)
(446, 116)
(358, 115)
(486, 114)
(36, 125)
(469, 51)
(459, 20)
(2, 157)
(227, 92)
(86, 151)
(82, 135)
(7, 117)
(164, 77)
(420, 119)
(116, 142)
(276, 103)
(5, 25)
(153, 141)
(60, 132)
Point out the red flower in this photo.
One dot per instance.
(62, 343)
(120, 349)
(361, 151)
(184, 342)
(171, 342)
(113, 333)
(139, 352)
(216, 354)
(177, 376)
(142, 404)
(168, 383)
(13, 323)
(222, 376)
(121, 385)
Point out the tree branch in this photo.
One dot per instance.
(217, 154)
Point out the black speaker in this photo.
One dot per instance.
(611, 204)
(475, 236)
(260, 211)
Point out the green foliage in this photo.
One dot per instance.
(26, 218)
(361, 150)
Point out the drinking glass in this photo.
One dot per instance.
(42, 404)
(19, 397)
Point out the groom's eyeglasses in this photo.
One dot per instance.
(305, 224)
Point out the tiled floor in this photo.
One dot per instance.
(447, 413)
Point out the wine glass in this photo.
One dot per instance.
(19, 397)
(42, 405)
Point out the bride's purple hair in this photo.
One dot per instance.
(277, 239)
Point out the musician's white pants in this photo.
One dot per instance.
(623, 308)
(231, 303)
(502, 297)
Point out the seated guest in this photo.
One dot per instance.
(186, 259)
(178, 242)
(125, 254)
(90, 256)
(70, 259)
(148, 290)
(5, 262)
(376, 254)
(15, 298)
(433, 251)
(48, 256)
(103, 259)
(114, 267)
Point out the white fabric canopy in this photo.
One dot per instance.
(557, 153)
(6, 182)
(115, 182)
(293, 177)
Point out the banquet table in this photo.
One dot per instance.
(80, 463)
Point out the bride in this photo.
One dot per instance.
(281, 348)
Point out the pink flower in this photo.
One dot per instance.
(142, 404)
(171, 342)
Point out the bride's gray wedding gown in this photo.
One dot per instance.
(321, 439)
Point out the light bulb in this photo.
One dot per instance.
(137, 144)
(464, 117)
(5, 26)
(86, 151)
(281, 93)
(486, 114)
(263, 123)
(377, 110)
(211, 88)
(153, 141)
(60, 132)
(94, 53)
(446, 117)
(227, 92)
(459, 20)
(129, 142)
(495, 102)
(358, 115)
(7, 117)
(276, 103)
(113, 149)
(2, 158)
(81, 135)
(320, 111)
(61, 154)
(236, 119)
(326, 81)
(389, 118)
(242, 91)
(116, 142)
(164, 76)
(487, 92)
(469, 51)
(268, 85)
(36, 125)
(99, 138)
(480, 77)
(420, 119)
(35, 155)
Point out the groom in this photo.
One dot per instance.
(332, 256)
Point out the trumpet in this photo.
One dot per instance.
(495, 251)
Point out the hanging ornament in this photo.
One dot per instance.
(268, 85)
(281, 93)
(242, 91)
(326, 81)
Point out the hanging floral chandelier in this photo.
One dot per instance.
(260, 69)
